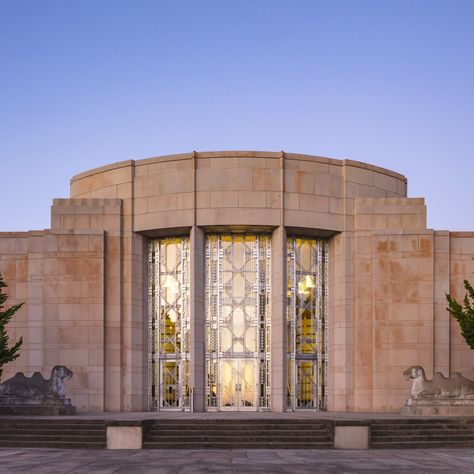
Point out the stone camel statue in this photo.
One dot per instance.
(36, 386)
(440, 388)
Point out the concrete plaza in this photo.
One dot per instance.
(55, 461)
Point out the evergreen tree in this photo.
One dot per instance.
(464, 314)
(7, 354)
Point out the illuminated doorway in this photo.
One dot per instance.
(238, 322)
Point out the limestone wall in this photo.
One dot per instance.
(86, 279)
(60, 275)
(461, 267)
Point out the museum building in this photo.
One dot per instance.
(243, 281)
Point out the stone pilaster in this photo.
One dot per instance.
(198, 317)
(278, 327)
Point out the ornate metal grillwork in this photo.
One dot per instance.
(169, 324)
(307, 323)
(238, 321)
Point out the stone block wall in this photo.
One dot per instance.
(60, 275)
(461, 267)
(85, 280)
(389, 277)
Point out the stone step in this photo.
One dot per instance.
(419, 424)
(232, 422)
(422, 444)
(232, 438)
(52, 433)
(56, 419)
(237, 445)
(422, 427)
(35, 430)
(50, 437)
(51, 425)
(238, 434)
(279, 432)
(242, 426)
(421, 432)
(422, 437)
(64, 444)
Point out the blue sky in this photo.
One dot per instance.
(86, 83)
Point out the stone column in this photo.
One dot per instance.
(198, 317)
(278, 326)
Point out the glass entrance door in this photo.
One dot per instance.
(238, 322)
(237, 384)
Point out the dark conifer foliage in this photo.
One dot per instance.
(7, 354)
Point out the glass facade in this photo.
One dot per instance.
(169, 324)
(307, 323)
(238, 322)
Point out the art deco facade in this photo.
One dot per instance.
(245, 281)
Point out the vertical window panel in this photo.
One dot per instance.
(307, 323)
(169, 324)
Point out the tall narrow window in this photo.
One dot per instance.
(169, 324)
(238, 322)
(307, 323)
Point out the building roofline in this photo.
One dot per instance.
(239, 154)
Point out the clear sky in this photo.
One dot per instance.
(85, 83)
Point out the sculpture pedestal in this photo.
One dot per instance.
(439, 407)
(46, 406)
(37, 411)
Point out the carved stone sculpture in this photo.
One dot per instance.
(440, 396)
(36, 395)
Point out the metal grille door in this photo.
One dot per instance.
(238, 321)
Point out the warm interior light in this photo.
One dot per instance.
(171, 285)
(305, 285)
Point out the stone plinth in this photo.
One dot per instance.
(440, 408)
(37, 410)
(124, 434)
(351, 437)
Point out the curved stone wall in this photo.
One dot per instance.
(213, 189)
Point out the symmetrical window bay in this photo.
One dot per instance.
(238, 319)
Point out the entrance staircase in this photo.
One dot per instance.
(237, 434)
(52, 433)
(422, 433)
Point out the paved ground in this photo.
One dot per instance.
(55, 461)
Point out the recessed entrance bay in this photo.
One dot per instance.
(237, 317)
